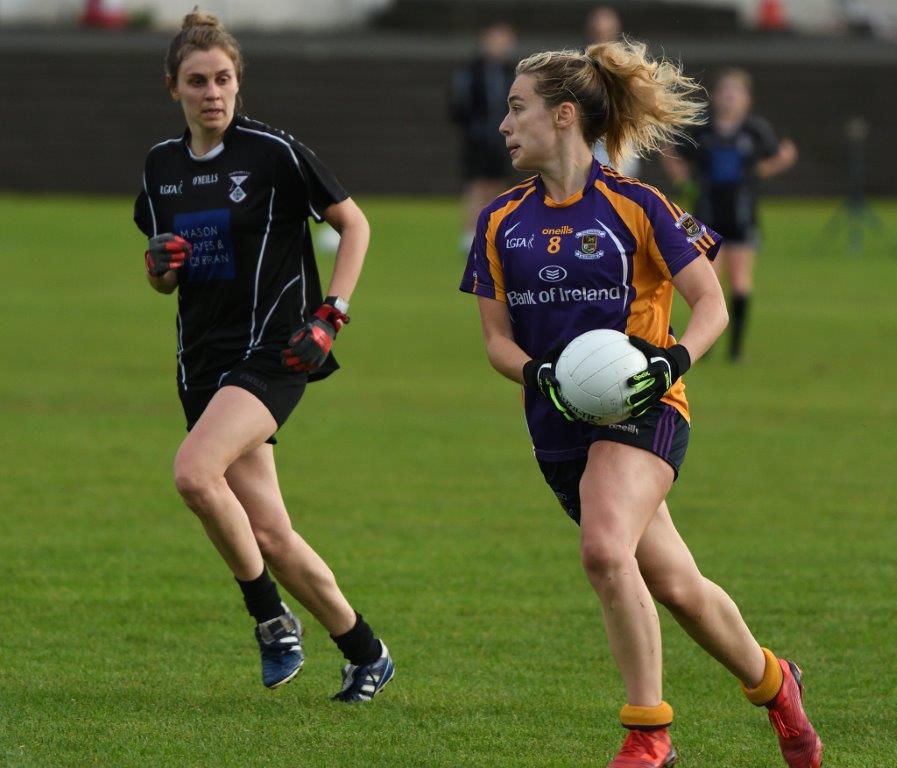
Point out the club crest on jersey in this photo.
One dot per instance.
(237, 193)
(588, 244)
(690, 226)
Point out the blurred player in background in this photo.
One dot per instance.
(579, 247)
(477, 105)
(225, 207)
(727, 156)
(603, 25)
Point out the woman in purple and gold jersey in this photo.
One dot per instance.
(579, 247)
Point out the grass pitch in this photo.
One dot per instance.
(123, 641)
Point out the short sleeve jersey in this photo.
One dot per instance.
(251, 278)
(725, 160)
(603, 258)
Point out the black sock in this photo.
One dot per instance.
(740, 303)
(261, 597)
(359, 645)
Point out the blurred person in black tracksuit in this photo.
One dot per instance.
(478, 104)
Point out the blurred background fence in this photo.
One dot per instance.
(365, 82)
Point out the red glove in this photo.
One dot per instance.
(310, 345)
(166, 251)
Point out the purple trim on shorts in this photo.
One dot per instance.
(673, 417)
(664, 433)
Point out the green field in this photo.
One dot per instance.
(123, 641)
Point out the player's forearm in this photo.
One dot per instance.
(779, 162)
(166, 283)
(708, 320)
(353, 245)
(506, 357)
(772, 167)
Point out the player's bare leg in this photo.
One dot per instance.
(740, 267)
(712, 619)
(620, 491)
(302, 572)
(233, 423)
(702, 608)
(298, 568)
(740, 270)
(236, 422)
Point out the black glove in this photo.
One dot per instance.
(538, 374)
(166, 251)
(665, 366)
(310, 345)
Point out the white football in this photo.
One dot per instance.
(592, 372)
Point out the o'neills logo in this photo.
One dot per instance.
(565, 230)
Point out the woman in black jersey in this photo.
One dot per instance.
(728, 155)
(225, 207)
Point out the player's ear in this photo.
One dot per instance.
(564, 115)
(172, 88)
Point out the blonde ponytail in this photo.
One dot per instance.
(631, 102)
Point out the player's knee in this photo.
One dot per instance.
(196, 483)
(602, 555)
(683, 597)
(271, 543)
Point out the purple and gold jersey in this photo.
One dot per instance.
(603, 258)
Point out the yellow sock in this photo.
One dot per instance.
(660, 716)
(769, 686)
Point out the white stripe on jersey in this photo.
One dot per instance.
(149, 198)
(300, 276)
(304, 299)
(149, 202)
(258, 269)
(181, 346)
(167, 141)
(314, 213)
(622, 251)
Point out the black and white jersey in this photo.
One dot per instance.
(251, 279)
(725, 169)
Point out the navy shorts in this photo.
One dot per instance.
(662, 431)
(279, 388)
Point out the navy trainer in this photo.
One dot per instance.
(280, 644)
(364, 682)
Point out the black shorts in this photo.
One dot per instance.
(486, 160)
(279, 388)
(731, 214)
(736, 234)
(662, 431)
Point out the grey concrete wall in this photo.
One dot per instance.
(78, 114)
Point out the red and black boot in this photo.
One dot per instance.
(781, 692)
(647, 745)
